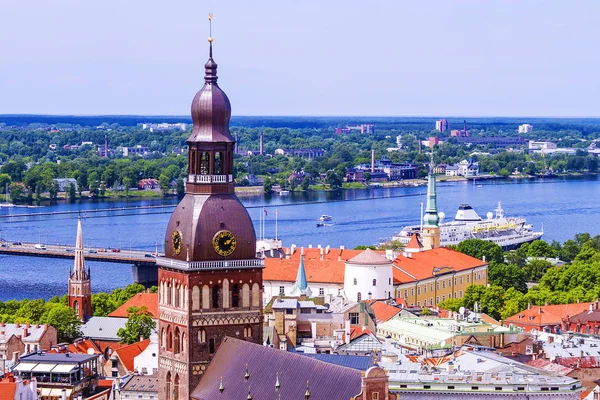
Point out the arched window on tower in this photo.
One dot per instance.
(76, 307)
(169, 339)
(201, 336)
(247, 331)
(204, 163)
(183, 346)
(215, 297)
(355, 282)
(177, 298)
(176, 388)
(169, 293)
(358, 296)
(163, 339)
(176, 340)
(218, 164)
(374, 282)
(168, 385)
(235, 296)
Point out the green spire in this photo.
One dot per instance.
(431, 217)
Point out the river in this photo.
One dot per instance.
(563, 207)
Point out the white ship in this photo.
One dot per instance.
(507, 232)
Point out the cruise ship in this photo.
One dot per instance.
(507, 232)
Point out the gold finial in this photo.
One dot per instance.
(307, 393)
(210, 38)
(247, 374)
(221, 387)
(277, 384)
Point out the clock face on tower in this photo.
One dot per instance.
(176, 242)
(224, 243)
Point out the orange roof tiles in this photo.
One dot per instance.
(424, 264)
(127, 353)
(328, 270)
(383, 311)
(8, 390)
(414, 243)
(357, 331)
(80, 347)
(148, 300)
(546, 315)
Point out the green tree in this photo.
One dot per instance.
(164, 183)
(539, 248)
(480, 248)
(514, 302)
(139, 323)
(101, 304)
(451, 304)
(53, 190)
(569, 250)
(65, 321)
(334, 180)
(305, 183)
(72, 193)
(180, 187)
(268, 185)
(127, 182)
(102, 189)
(16, 192)
(507, 276)
(4, 180)
(535, 269)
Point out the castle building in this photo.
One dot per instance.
(210, 281)
(368, 276)
(80, 288)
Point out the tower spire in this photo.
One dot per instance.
(79, 265)
(301, 284)
(210, 75)
(431, 220)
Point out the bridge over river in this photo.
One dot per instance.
(143, 263)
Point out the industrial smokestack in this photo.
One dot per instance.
(372, 160)
(235, 150)
(260, 148)
(105, 145)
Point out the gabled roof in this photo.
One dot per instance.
(128, 353)
(383, 311)
(103, 328)
(426, 264)
(546, 315)
(148, 300)
(369, 257)
(141, 383)
(79, 347)
(326, 381)
(328, 270)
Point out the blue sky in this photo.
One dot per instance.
(310, 57)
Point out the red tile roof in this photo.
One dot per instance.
(546, 315)
(414, 243)
(81, 347)
(383, 311)
(8, 390)
(328, 270)
(127, 353)
(148, 300)
(426, 264)
(357, 331)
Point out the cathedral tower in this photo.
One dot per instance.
(210, 281)
(431, 220)
(80, 288)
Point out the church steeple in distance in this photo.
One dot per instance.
(79, 288)
(431, 219)
(431, 214)
(210, 278)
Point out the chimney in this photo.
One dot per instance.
(540, 310)
(327, 252)
(260, 145)
(370, 297)
(320, 253)
(25, 332)
(235, 150)
(310, 246)
(529, 306)
(483, 258)
(141, 338)
(63, 394)
(302, 250)
(347, 330)
(372, 160)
